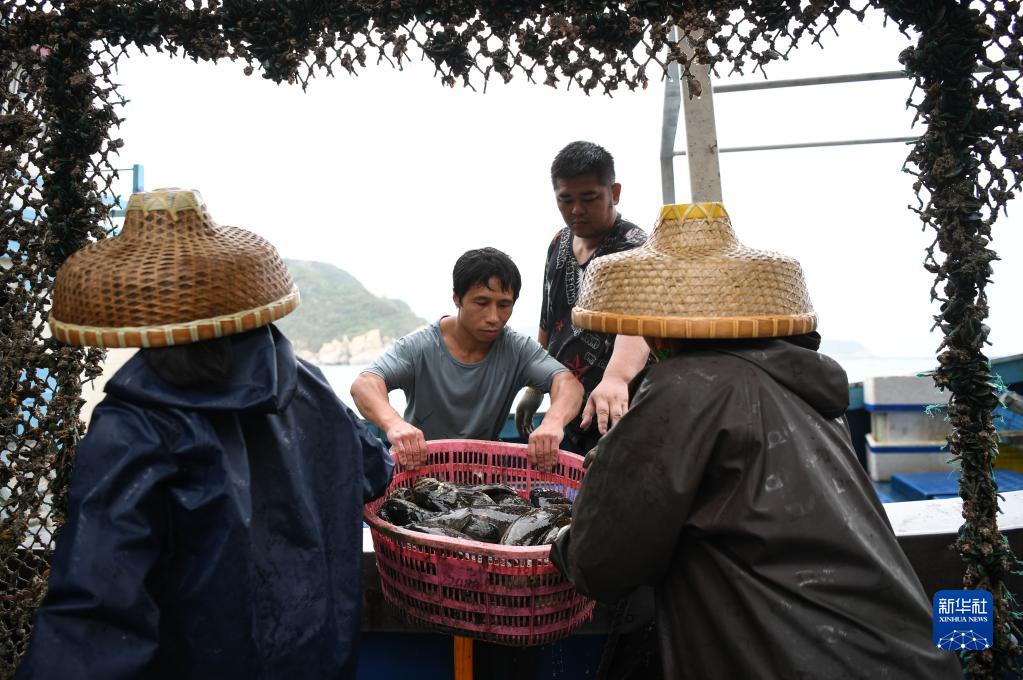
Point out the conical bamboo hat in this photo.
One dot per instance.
(694, 279)
(171, 277)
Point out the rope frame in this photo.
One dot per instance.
(59, 116)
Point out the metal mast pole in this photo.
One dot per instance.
(669, 126)
(701, 136)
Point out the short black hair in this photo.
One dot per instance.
(583, 158)
(479, 266)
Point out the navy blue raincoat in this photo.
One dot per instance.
(213, 535)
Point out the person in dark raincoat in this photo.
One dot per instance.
(214, 525)
(731, 484)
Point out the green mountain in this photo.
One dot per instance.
(335, 304)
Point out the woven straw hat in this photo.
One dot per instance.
(693, 279)
(171, 277)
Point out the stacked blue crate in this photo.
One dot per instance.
(918, 486)
(907, 426)
(1008, 421)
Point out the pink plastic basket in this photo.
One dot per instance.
(507, 594)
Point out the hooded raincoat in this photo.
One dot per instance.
(732, 487)
(213, 535)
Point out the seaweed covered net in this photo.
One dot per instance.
(967, 165)
(58, 127)
(55, 123)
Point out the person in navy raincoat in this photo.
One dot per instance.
(214, 525)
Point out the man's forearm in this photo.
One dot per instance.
(370, 395)
(566, 398)
(628, 357)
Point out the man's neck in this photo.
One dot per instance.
(461, 344)
(583, 248)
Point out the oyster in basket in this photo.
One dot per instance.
(496, 492)
(404, 493)
(541, 498)
(486, 524)
(492, 513)
(469, 522)
(436, 531)
(489, 523)
(470, 498)
(482, 529)
(452, 519)
(401, 512)
(431, 494)
(550, 536)
(536, 525)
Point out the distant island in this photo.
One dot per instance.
(339, 321)
(849, 349)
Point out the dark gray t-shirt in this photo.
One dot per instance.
(449, 399)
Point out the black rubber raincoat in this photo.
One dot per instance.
(731, 486)
(213, 535)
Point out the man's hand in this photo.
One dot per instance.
(409, 443)
(608, 401)
(527, 407)
(543, 445)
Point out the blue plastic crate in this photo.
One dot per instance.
(930, 485)
(884, 491)
(1006, 420)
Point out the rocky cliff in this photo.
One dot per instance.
(339, 321)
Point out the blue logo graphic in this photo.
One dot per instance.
(963, 620)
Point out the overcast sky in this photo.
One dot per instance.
(391, 176)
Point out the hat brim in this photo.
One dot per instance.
(707, 327)
(184, 333)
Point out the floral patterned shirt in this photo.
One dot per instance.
(583, 352)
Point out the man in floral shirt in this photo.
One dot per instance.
(587, 194)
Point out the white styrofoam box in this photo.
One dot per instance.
(945, 516)
(908, 426)
(885, 460)
(901, 391)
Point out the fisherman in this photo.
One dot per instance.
(214, 524)
(460, 374)
(731, 485)
(587, 194)
(583, 177)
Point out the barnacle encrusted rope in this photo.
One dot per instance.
(57, 121)
(56, 118)
(961, 186)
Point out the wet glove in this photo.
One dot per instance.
(527, 407)
(591, 456)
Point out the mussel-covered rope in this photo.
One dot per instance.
(961, 190)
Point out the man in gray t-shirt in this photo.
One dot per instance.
(448, 398)
(460, 375)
